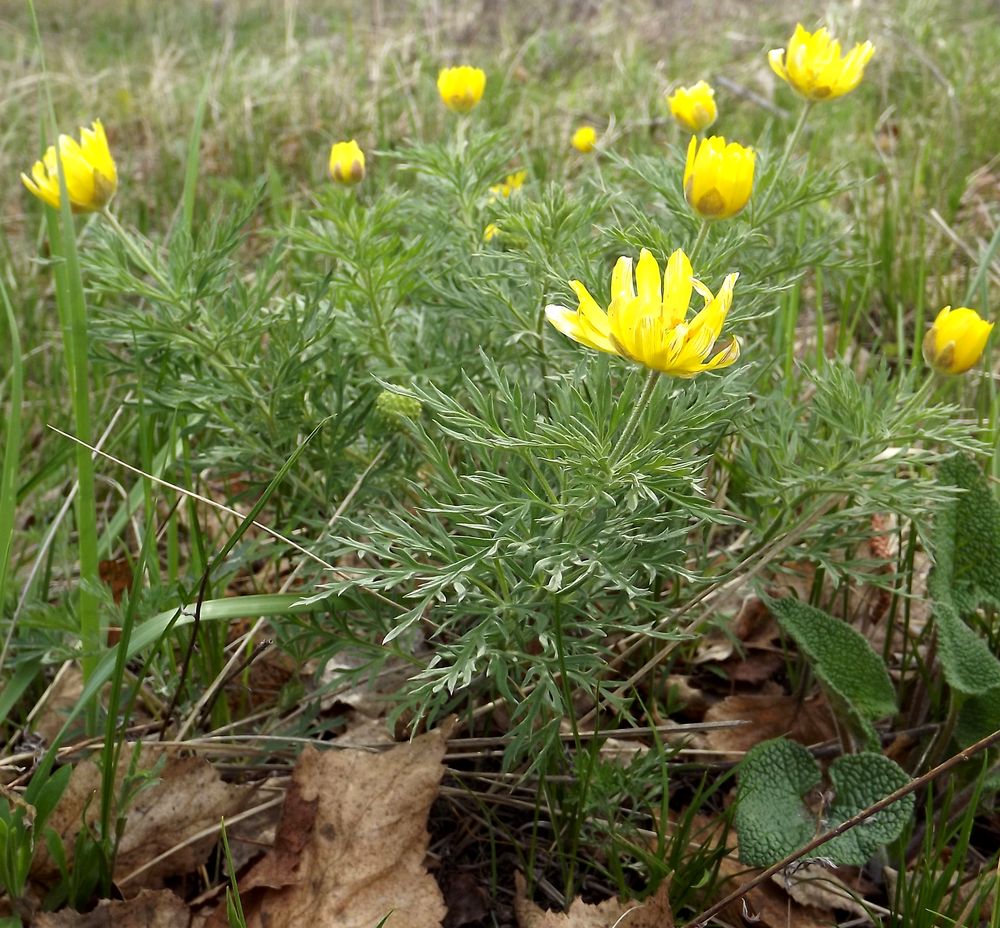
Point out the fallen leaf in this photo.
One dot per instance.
(764, 906)
(62, 695)
(147, 910)
(814, 885)
(116, 574)
(806, 721)
(352, 840)
(465, 898)
(186, 797)
(654, 912)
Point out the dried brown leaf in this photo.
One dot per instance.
(351, 843)
(765, 906)
(654, 912)
(814, 885)
(147, 910)
(187, 796)
(806, 721)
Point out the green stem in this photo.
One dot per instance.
(786, 154)
(73, 314)
(633, 420)
(699, 240)
(139, 256)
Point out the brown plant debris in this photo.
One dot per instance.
(183, 797)
(654, 912)
(149, 909)
(351, 843)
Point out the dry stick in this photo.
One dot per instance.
(911, 787)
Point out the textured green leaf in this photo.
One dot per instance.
(967, 539)
(859, 781)
(969, 665)
(979, 717)
(966, 575)
(772, 820)
(842, 659)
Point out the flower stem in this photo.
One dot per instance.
(138, 255)
(699, 240)
(785, 155)
(633, 420)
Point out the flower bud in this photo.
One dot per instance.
(694, 107)
(956, 340)
(347, 163)
(584, 139)
(461, 88)
(392, 409)
(718, 178)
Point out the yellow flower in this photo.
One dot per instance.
(461, 88)
(694, 107)
(584, 139)
(510, 183)
(90, 172)
(814, 68)
(648, 327)
(491, 232)
(718, 177)
(347, 162)
(956, 340)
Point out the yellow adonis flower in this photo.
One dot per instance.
(813, 66)
(648, 326)
(491, 231)
(718, 177)
(956, 340)
(461, 88)
(694, 107)
(584, 139)
(347, 162)
(90, 172)
(510, 183)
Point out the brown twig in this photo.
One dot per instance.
(911, 787)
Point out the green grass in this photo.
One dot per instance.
(236, 322)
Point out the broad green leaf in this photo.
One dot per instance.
(772, 819)
(843, 660)
(966, 575)
(859, 781)
(979, 717)
(967, 539)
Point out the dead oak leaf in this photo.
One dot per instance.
(807, 721)
(351, 843)
(147, 910)
(186, 796)
(654, 912)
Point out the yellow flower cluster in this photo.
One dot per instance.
(643, 322)
(510, 183)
